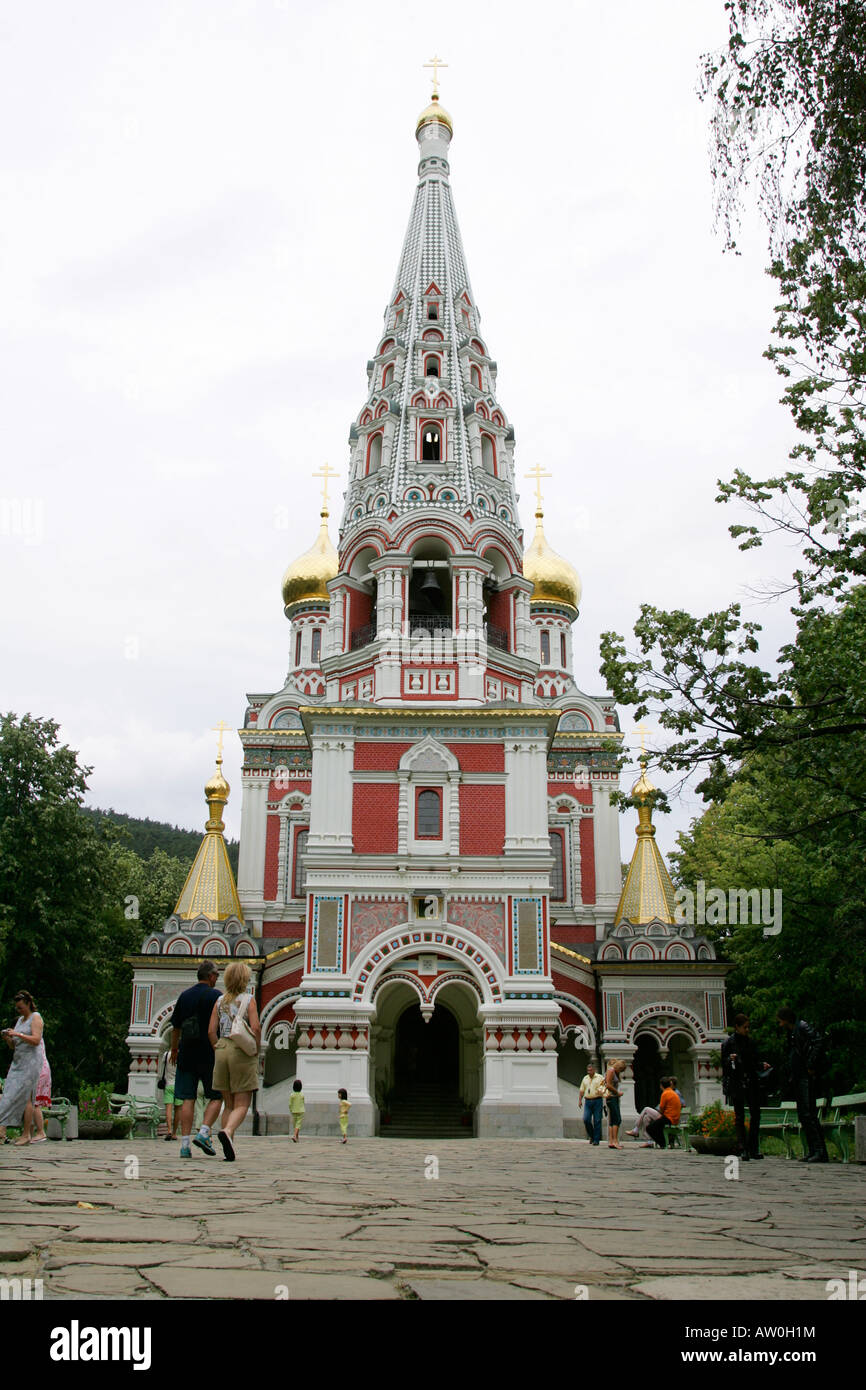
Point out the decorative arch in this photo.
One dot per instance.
(641, 950)
(447, 942)
(179, 946)
(642, 1017)
(577, 1006)
(403, 978)
(453, 978)
(268, 1018)
(428, 755)
(432, 335)
(611, 952)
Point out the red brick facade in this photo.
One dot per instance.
(479, 757)
(272, 850)
(482, 819)
(374, 817)
(587, 860)
(379, 756)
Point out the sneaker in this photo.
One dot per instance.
(817, 1158)
(227, 1146)
(203, 1143)
(186, 1153)
(169, 1137)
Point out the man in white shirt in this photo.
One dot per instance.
(592, 1094)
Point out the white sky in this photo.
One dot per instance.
(203, 208)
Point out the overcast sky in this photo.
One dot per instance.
(203, 207)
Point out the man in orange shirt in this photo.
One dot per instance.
(670, 1107)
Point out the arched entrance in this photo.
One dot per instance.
(648, 1071)
(427, 1054)
(681, 1065)
(427, 1076)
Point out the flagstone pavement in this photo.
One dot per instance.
(319, 1220)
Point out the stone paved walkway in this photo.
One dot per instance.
(530, 1220)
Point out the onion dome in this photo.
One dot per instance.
(434, 112)
(306, 579)
(555, 580)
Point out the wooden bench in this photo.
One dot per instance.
(59, 1110)
(840, 1121)
(675, 1135)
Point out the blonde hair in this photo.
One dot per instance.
(236, 978)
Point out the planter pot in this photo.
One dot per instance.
(121, 1128)
(721, 1147)
(94, 1129)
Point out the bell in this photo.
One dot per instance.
(430, 583)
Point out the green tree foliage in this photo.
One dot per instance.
(63, 933)
(145, 836)
(788, 97)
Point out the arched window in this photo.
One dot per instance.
(298, 649)
(428, 816)
(545, 648)
(316, 649)
(475, 374)
(431, 366)
(557, 873)
(488, 454)
(300, 877)
(398, 318)
(433, 312)
(386, 346)
(431, 444)
(388, 375)
(562, 650)
(374, 456)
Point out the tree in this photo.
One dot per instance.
(63, 933)
(789, 111)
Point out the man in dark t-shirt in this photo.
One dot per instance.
(193, 1055)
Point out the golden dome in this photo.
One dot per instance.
(555, 580)
(643, 786)
(305, 581)
(434, 112)
(217, 789)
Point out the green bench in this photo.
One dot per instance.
(59, 1110)
(675, 1135)
(142, 1112)
(839, 1124)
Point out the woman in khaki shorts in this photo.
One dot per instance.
(235, 1073)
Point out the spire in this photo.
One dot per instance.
(431, 434)
(648, 893)
(209, 890)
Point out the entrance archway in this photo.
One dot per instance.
(647, 1067)
(427, 1054)
(682, 1066)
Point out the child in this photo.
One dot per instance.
(345, 1103)
(296, 1106)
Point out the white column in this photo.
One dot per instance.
(251, 860)
(608, 874)
(331, 801)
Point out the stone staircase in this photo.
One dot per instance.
(427, 1111)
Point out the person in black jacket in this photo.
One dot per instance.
(741, 1068)
(805, 1053)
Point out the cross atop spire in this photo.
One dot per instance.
(641, 730)
(326, 472)
(220, 728)
(538, 473)
(435, 64)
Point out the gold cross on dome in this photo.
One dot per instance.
(538, 473)
(326, 472)
(642, 731)
(220, 728)
(435, 64)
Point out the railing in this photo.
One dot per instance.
(496, 637)
(430, 622)
(362, 636)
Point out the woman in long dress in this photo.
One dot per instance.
(33, 1113)
(19, 1088)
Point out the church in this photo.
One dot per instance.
(429, 889)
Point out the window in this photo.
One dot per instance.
(430, 444)
(527, 936)
(433, 311)
(545, 648)
(716, 1012)
(488, 455)
(475, 375)
(327, 935)
(316, 649)
(298, 649)
(428, 816)
(557, 873)
(300, 876)
(398, 318)
(564, 662)
(431, 366)
(388, 375)
(374, 456)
